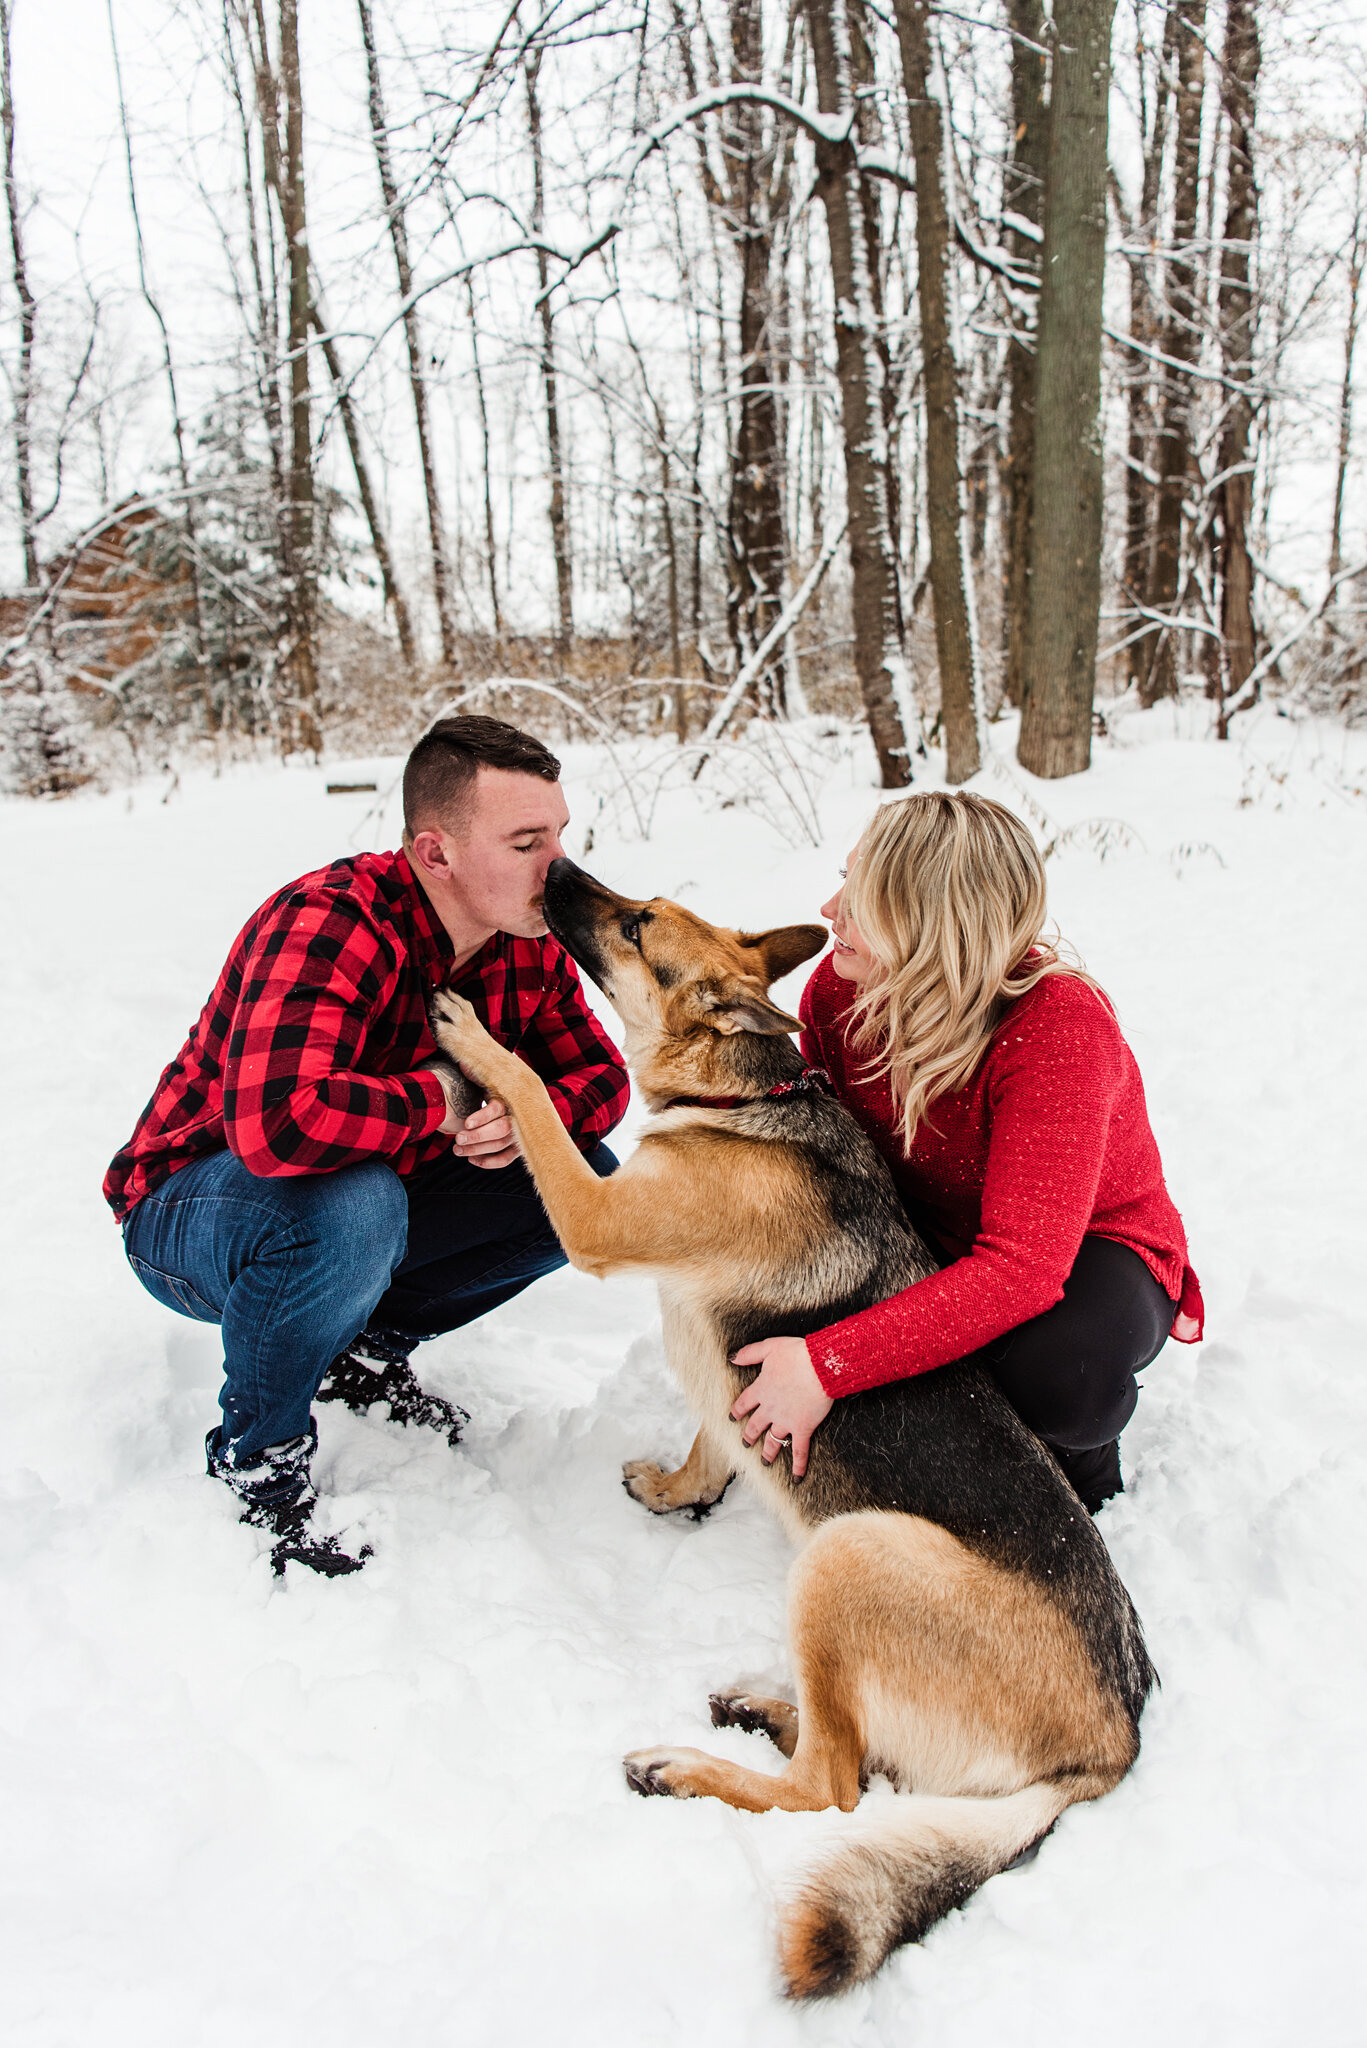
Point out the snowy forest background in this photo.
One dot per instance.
(671, 380)
(689, 361)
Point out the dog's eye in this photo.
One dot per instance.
(631, 931)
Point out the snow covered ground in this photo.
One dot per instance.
(390, 1809)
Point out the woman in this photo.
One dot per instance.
(992, 1076)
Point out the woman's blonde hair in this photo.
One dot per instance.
(947, 891)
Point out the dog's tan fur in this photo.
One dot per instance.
(945, 1665)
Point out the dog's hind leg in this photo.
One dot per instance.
(824, 1771)
(827, 1746)
(698, 1484)
(758, 1715)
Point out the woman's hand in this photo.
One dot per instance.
(785, 1403)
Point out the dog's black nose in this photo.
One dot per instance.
(566, 883)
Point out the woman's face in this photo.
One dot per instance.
(851, 959)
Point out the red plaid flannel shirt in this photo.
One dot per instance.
(304, 1058)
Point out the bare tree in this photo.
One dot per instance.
(490, 545)
(365, 489)
(1238, 308)
(397, 224)
(879, 655)
(1181, 344)
(23, 370)
(560, 527)
(747, 183)
(1065, 561)
(1023, 194)
(1357, 255)
(1141, 240)
(758, 156)
(301, 581)
(961, 708)
(153, 304)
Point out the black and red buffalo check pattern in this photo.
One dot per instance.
(304, 1058)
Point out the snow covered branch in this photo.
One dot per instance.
(777, 633)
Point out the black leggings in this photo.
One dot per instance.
(1069, 1374)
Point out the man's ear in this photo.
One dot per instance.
(427, 850)
(741, 1006)
(784, 948)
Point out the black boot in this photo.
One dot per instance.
(1094, 1475)
(276, 1495)
(374, 1367)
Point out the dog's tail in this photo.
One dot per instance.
(904, 1862)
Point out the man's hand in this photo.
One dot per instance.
(786, 1401)
(486, 1138)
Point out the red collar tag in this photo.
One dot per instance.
(811, 1081)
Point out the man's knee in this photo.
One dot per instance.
(364, 1208)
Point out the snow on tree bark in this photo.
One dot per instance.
(396, 222)
(1181, 345)
(1065, 561)
(879, 653)
(946, 507)
(1022, 192)
(301, 579)
(1238, 327)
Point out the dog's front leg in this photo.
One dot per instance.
(698, 1484)
(586, 1213)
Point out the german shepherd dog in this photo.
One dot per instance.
(956, 1622)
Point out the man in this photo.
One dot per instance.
(305, 1179)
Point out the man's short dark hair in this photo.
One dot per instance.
(440, 772)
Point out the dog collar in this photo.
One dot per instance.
(811, 1081)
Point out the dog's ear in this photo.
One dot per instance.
(740, 1005)
(784, 948)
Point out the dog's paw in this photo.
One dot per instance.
(739, 1710)
(757, 1715)
(660, 1773)
(649, 1484)
(456, 1027)
(657, 1490)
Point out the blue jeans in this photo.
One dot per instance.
(293, 1268)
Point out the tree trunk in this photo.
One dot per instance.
(672, 576)
(1065, 558)
(947, 513)
(1181, 345)
(153, 304)
(748, 198)
(490, 547)
(560, 529)
(264, 256)
(301, 580)
(1024, 197)
(268, 111)
(1357, 251)
(1238, 324)
(1143, 235)
(398, 235)
(755, 504)
(23, 376)
(379, 540)
(879, 656)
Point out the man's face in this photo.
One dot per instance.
(492, 872)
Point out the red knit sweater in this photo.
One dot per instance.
(1049, 1141)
